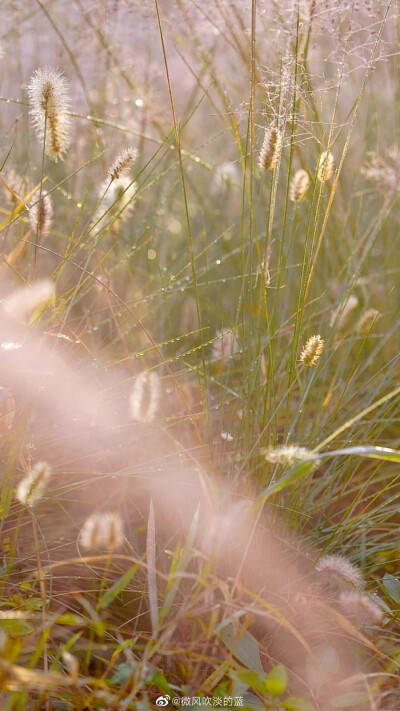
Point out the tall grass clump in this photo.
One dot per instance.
(199, 355)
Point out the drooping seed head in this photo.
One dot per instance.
(299, 185)
(326, 166)
(288, 455)
(102, 531)
(26, 299)
(123, 163)
(344, 312)
(30, 489)
(271, 149)
(117, 203)
(367, 320)
(360, 609)
(14, 183)
(338, 568)
(49, 102)
(41, 214)
(72, 665)
(145, 396)
(224, 346)
(312, 350)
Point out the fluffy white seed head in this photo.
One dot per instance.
(312, 350)
(360, 609)
(299, 185)
(117, 201)
(224, 346)
(41, 214)
(337, 574)
(102, 531)
(367, 321)
(287, 455)
(30, 489)
(271, 149)
(26, 299)
(123, 163)
(145, 397)
(344, 312)
(15, 184)
(49, 101)
(326, 166)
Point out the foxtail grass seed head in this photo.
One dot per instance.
(102, 531)
(49, 101)
(30, 489)
(360, 609)
(224, 346)
(287, 455)
(117, 201)
(15, 184)
(145, 397)
(337, 567)
(271, 149)
(72, 665)
(123, 163)
(326, 166)
(26, 299)
(344, 312)
(312, 350)
(41, 214)
(367, 320)
(299, 185)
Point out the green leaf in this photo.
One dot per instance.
(118, 587)
(16, 628)
(252, 702)
(244, 648)
(151, 567)
(184, 559)
(70, 618)
(122, 673)
(253, 679)
(383, 453)
(276, 681)
(294, 703)
(158, 679)
(392, 587)
(294, 474)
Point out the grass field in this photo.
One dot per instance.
(199, 354)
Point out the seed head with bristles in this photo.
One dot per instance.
(49, 101)
(123, 163)
(41, 214)
(367, 320)
(312, 350)
(344, 312)
(326, 166)
(299, 185)
(360, 609)
(271, 149)
(338, 567)
(102, 531)
(224, 346)
(30, 489)
(288, 455)
(26, 299)
(116, 201)
(145, 396)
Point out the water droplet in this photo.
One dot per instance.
(7, 346)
